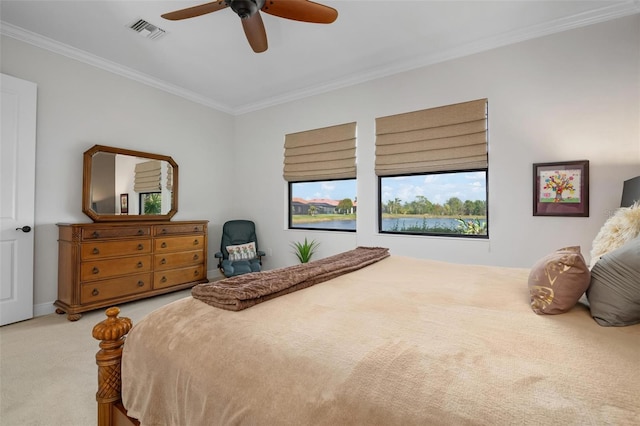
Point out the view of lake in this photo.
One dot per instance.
(387, 224)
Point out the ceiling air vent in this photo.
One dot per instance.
(147, 30)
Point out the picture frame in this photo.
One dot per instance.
(124, 203)
(561, 188)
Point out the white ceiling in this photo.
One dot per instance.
(207, 59)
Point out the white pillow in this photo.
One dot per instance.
(619, 229)
(242, 252)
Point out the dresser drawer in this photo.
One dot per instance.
(115, 232)
(99, 250)
(164, 279)
(179, 228)
(176, 260)
(169, 244)
(98, 269)
(115, 287)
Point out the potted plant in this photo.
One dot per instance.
(304, 250)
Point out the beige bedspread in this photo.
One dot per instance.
(400, 342)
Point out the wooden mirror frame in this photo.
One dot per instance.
(86, 186)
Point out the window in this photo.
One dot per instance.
(323, 205)
(320, 166)
(451, 204)
(150, 203)
(432, 170)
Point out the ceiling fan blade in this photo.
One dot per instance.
(192, 12)
(255, 32)
(301, 10)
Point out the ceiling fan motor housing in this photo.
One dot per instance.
(245, 8)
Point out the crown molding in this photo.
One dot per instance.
(603, 14)
(51, 45)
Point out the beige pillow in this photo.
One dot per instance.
(558, 280)
(619, 229)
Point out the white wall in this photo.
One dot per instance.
(80, 106)
(568, 96)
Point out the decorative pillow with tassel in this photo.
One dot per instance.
(558, 280)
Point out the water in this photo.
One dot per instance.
(342, 225)
(387, 224)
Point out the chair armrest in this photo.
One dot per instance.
(218, 255)
(260, 253)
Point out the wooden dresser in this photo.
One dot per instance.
(103, 264)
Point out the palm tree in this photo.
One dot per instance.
(153, 203)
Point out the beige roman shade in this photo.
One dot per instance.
(321, 154)
(452, 137)
(148, 177)
(169, 177)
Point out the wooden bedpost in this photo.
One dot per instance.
(111, 334)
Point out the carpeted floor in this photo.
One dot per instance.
(48, 374)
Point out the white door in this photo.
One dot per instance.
(17, 196)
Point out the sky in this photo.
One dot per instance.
(437, 188)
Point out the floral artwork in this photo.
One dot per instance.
(242, 252)
(560, 186)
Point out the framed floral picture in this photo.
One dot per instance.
(124, 203)
(561, 189)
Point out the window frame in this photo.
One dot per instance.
(311, 228)
(436, 234)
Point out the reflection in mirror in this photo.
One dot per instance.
(122, 183)
(144, 181)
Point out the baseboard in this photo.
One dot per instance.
(214, 275)
(43, 309)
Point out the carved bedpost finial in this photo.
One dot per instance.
(111, 334)
(113, 328)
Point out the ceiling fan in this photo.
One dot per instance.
(249, 13)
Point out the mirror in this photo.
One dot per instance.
(121, 184)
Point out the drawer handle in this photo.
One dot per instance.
(95, 270)
(140, 283)
(95, 292)
(140, 232)
(140, 247)
(196, 273)
(164, 231)
(163, 280)
(196, 229)
(95, 234)
(95, 250)
(163, 245)
(196, 257)
(196, 242)
(163, 261)
(139, 265)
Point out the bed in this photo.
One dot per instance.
(401, 341)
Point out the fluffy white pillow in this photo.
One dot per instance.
(619, 229)
(242, 252)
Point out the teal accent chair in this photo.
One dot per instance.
(238, 232)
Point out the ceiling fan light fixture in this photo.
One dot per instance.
(245, 8)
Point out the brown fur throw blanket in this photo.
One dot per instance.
(243, 291)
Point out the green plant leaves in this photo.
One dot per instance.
(304, 250)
